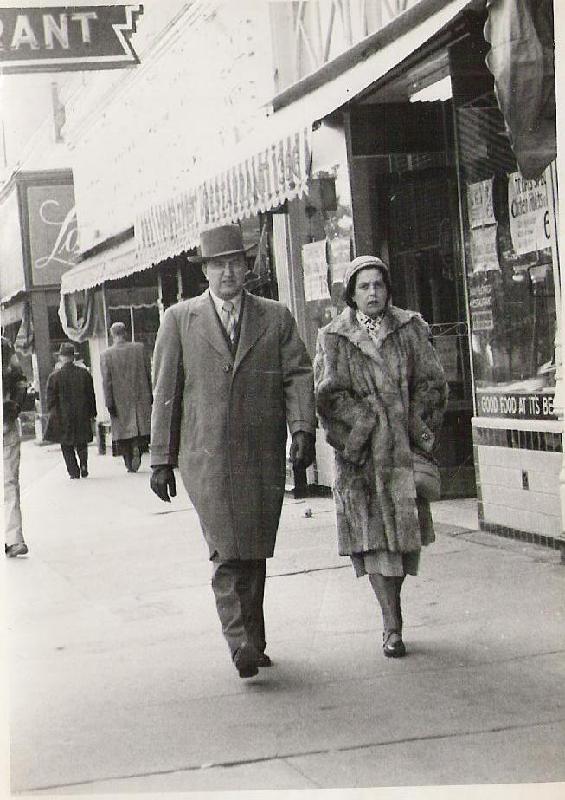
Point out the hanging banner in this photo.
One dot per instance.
(479, 203)
(530, 224)
(63, 38)
(315, 269)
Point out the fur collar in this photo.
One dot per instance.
(346, 325)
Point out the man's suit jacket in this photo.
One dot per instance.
(223, 417)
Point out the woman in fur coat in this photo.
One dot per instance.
(381, 393)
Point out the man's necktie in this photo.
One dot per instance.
(228, 318)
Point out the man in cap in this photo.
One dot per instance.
(126, 378)
(72, 407)
(14, 391)
(230, 372)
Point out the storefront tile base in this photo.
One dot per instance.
(517, 467)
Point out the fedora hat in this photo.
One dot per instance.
(225, 240)
(67, 349)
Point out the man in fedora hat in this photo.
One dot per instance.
(230, 372)
(72, 407)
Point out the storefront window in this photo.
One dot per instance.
(508, 223)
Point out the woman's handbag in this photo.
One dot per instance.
(426, 477)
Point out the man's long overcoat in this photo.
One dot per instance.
(378, 400)
(126, 378)
(71, 405)
(225, 418)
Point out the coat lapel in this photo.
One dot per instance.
(209, 326)
(253, 326)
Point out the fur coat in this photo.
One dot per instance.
(378, 399)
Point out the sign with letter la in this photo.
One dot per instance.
(62, 38)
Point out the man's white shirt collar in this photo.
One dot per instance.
(218, 303)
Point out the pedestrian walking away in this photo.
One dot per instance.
(380, 395)
(14, 391)
(230, 372)
(126, 378)
(72, 409)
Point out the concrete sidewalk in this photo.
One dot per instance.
(121, 681)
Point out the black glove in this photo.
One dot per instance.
(163, 482)
(302, 449)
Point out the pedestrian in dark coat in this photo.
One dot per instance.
(381, 393)
(126, 378)
(72, 408)
(230, 373)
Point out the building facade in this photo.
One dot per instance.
(383, 130)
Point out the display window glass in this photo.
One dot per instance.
(508, 224)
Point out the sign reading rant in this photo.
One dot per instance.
(67, 38)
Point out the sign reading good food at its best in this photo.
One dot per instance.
(61, 38)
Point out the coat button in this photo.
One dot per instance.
(425, 436)
(227, 367)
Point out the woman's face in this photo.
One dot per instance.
(370, 293)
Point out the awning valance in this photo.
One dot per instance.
(109, 265)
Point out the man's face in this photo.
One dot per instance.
(370, 293)
(226, 275)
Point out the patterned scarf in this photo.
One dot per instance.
(371, 325)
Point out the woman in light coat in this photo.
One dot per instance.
(380, 394)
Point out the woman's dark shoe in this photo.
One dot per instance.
(83, 471)
(18, 549)
(393, 646)
(264, 660)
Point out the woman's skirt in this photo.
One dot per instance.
(384, 563)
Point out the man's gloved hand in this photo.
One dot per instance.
(302, 449)
(113, 411)
(163, 482)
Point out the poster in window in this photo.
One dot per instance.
(484, 252)
(315, 269)
(530, 223)
(479, 203)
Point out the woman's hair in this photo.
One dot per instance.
(349, 288)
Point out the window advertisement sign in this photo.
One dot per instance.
(315, 271)
(483, 227)
(12, 276)
(530, 223)
(53, 234)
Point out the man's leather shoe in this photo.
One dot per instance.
(246, 661)
(264, 660)
(393, 646)
(83, 471)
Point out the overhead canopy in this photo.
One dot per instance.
(109, 265)
(269, 167)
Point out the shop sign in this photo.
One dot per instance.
(315, 269)
(530, 224)
(515, 405)
(66, 38)
(53, 235)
